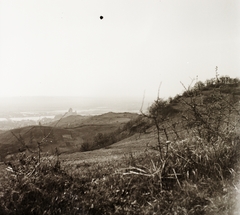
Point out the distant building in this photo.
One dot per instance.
(71, 112)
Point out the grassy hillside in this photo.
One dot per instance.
(68, 135)
(17, 140)
(185, 161)
(107, 118)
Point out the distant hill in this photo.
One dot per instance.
(107, 118)
(67, 135)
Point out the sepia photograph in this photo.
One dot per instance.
(120, 107)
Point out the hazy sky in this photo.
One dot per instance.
(63, 48)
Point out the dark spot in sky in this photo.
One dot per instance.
(101, 17)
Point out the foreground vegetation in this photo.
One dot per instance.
(191, 169)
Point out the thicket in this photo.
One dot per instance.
(191, 170)
(100, 140)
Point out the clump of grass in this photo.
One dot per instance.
(139, 184)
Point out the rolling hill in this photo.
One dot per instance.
(67, 134)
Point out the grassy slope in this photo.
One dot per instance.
(203, 183)
(225, 197)
(133, 144)
(67, 136)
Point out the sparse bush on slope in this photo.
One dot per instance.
(138, 125)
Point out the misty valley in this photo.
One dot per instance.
(19, 112)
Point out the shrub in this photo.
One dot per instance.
(85, 147)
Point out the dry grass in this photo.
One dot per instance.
(194, 180)
(151, 174)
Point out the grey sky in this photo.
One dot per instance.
(63, 48)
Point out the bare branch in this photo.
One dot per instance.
(141, 111)
(159, 87)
